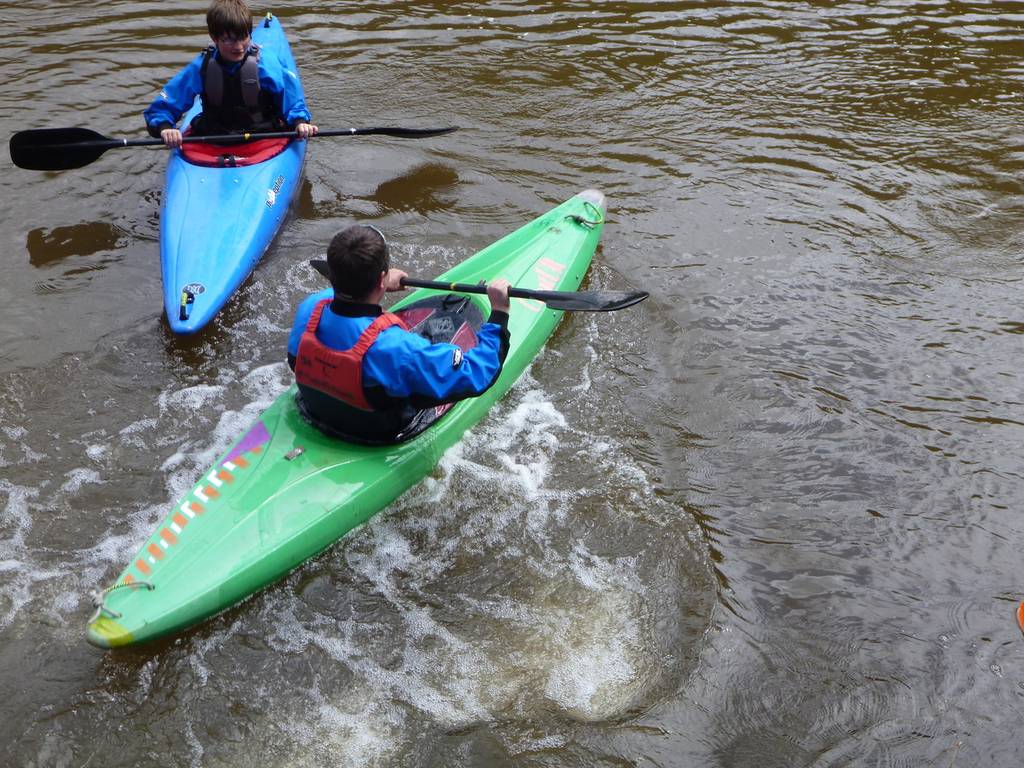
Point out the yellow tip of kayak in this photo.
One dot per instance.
(107, 633)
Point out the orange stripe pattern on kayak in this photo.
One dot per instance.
(167, 536)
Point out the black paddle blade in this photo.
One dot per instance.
(320, 265)
(57, 149)
(404, 133)
(589, 301)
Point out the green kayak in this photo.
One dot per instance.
(285, 491)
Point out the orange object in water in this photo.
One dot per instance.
(1020, 616)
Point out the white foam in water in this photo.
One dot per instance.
(76, 478)
(424, 678)
(582, 654)
(599, 574)
(194, 744)
(20, 575)
(521, 439)
(595, 671)
(591, 649)
(135, 433)
(113, 549)
(265, 383)
(16, 592)
(173, 461)
(16, 522)
(592, 676)
(97, 452)
(189, 399)
(16, 435)
(362, 728)
(365, 738)
(142, 425)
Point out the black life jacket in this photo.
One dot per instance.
(235, 103)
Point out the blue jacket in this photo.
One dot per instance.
(179, 94)
(406, 365)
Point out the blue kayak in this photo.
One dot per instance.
(216, 222)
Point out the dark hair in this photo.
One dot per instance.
(229, 17)
(355, 258)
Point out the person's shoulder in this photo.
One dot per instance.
(313, 298)
(306, 306)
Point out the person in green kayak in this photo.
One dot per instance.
(244, 89)
(361, 374)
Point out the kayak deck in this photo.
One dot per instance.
(285, 491)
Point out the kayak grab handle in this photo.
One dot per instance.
(583, 221)
(187, 300)
(99, 595)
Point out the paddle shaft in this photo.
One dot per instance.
(243, 138)
(565, 301)
(517, 293)
(568, 301)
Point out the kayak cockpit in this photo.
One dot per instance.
(214, 155)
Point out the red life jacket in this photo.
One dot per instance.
(337, 373)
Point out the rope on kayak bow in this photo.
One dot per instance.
(98, 596)
(591, 209)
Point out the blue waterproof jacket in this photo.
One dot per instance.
(179, 94)
(403, 364)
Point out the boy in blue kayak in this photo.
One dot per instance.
(243, 88)
(361, 374)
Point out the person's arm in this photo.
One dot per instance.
(288, 94)
(407, 365)
(174, 100)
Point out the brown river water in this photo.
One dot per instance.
(770, 517)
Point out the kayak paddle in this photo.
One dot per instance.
(60, 149)
(566, 301)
